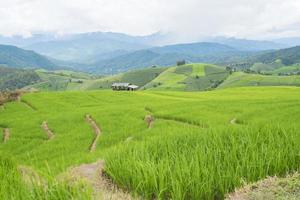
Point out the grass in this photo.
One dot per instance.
(287, 69)
(267, 66)
(198, 70)
(14, 186)
(179, 167)
(192, 152)
(63, 80)
(191, 77)
(240, 79)
(169, 80)
(137, 77)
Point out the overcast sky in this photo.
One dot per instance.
(188, 19)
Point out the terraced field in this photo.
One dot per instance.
(191, 77)
(287, 69)
(67, 80)
(240, 79)
(200, 145)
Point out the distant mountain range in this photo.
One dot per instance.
(12, 56)
(85, 47)
(167, 56)
(108, 52)
(89, 47)
(251, 45)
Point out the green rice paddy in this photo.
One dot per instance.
(203, 145)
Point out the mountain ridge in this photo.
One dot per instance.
(12, 56)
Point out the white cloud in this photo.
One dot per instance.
(187, 19)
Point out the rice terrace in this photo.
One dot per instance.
(193, 150)
(149, 100)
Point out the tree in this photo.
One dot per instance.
(180, 62)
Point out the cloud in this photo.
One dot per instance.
(186, 19)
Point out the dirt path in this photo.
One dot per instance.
(97, 131)
(49, 133)
(270, 188)
(102, 186)
(233, 121)
(149, 119)
(6, 135)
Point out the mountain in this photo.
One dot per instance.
(21, 41)
(12, 56)
(290, 41)
(202, 48)
(249, 45)
(86, 47)
(166, 56)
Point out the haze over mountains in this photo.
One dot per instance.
(107, 52)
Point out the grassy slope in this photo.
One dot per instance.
(60, 80)
(275, 68)
(267, 66)
(191, 77)
(174, 159)
(240, 79)
(12, 79)
(137, 77)
(287, 69)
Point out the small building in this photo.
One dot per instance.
(124, 86)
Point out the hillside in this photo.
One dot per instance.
(11, 79)
(240, 79)
(60, 80)
(286, 56)
(12, 56)
(207, 143)
(67, 80)
(190, 77)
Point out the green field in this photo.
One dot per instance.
(190, 77)
(202, 145)
(240, 79)
(62, 80)
(287, 69)
(275, 68)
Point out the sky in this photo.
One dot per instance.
(186, 19)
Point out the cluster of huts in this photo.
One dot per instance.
(124, 86)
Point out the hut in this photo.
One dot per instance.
(124, 86)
